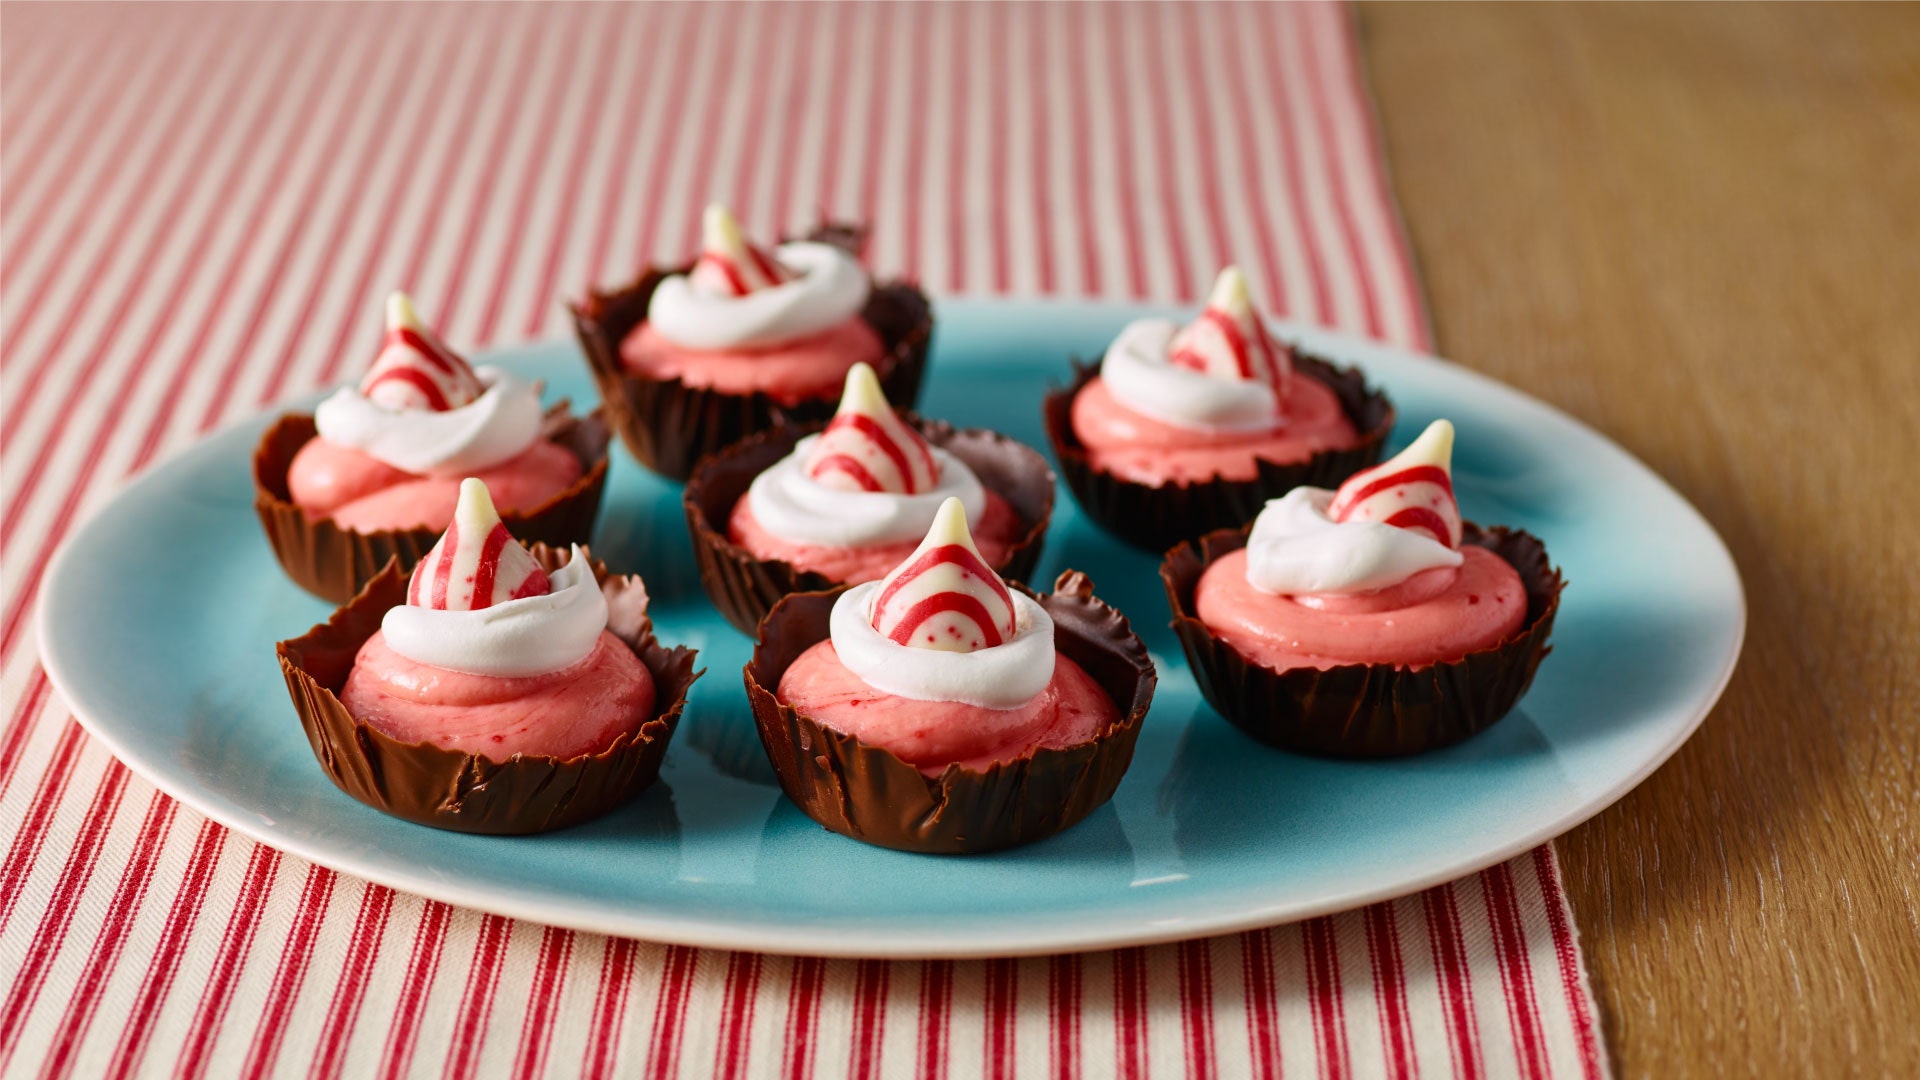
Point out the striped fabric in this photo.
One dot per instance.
(200, 209)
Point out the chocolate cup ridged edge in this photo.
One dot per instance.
(744, 587)
(1367, 710)
(669, 426)
(1155, 517)
(866, 793)
(450, 789)
(334, 563)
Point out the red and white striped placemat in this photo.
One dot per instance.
(199, 210)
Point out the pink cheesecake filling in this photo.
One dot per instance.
(804, 369)
(1432, 617)
(580, 709)
(930, 735)
(364, 494)
(1144, 450)
(999, 529)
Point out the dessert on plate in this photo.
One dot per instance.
(1366, 621)
(1184, 429)
(496, 689)
(375, 472)
(693, 358)
(940, 709)
(808, 507)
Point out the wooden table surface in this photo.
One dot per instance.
(1698, 228)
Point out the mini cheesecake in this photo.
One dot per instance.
(942, 710)
(692, 359)
(1365, 621)
(376, 471)
(1183, 429)
(812, 507)
(496, 689)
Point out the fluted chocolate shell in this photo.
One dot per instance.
(669, 426)
(450, 789)
(862, 791)
(744, 586)
(1367, 710)
(1155, 518)
(333, 563)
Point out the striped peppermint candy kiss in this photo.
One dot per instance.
(476, 564)
(415, 369)
(1230, 341)
(868, 447)
(1413, 490)
(945, 596)
(730, 266)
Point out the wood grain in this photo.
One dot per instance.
(1698, 228)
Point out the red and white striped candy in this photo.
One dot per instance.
(1412, 490)
(730, 266)
(945, 596)
(1230, 341)
(476, 564)
(868, 447)
(415, 369)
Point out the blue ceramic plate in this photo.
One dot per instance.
(158, 622)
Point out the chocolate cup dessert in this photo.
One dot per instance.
(451, 789)
(862, 791)
(1367, 710)
(744, 586)
(669, 426)
(1155, 517)
(333, 563)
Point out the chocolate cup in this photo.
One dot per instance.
(1155, 517)
(669, 426)
(862, 791)
(450, 789)
(333, 563)
(1367, 710)
(745, 587)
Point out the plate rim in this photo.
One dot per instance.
(1082, 934)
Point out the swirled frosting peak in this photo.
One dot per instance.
(868, 447)
(1230, 341)
(476, 564)
(738, 296)
(415, 369)
(422, 410)
(944, 627)
(944, 596)
(1382, 527)
(728, 264)
(1221, 372)
(480, 604)
(1412, 490)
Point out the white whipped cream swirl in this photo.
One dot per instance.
(1296, 549)
(1141, 375)
(495, 427)
(794, 506)
(530, 636)
(1004, 676)
(829, 288)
